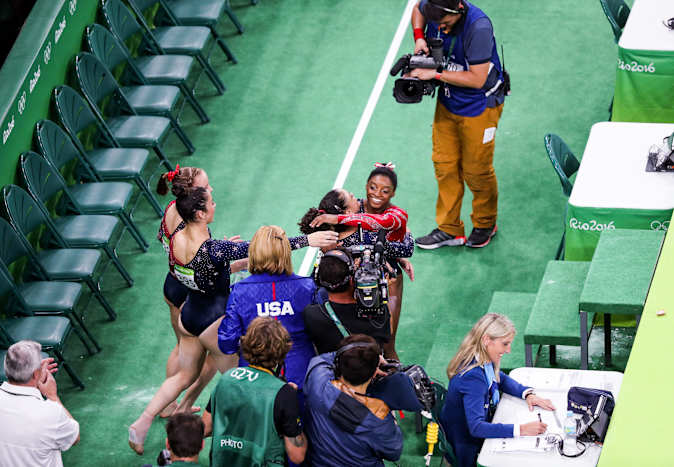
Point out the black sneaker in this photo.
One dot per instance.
(481, 237)
(438, 238)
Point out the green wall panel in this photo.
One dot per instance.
(38, 62)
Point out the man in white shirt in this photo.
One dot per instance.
(33, 431)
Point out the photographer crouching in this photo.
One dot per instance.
(327, 324)
(472, 89)
(345, 426)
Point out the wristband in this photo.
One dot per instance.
(418, 34)
(438, 76)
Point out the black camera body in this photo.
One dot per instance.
(370, 282)
(408, 90)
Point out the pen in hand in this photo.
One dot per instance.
(539, 417)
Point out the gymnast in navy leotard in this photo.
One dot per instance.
(175, 293)
(203, 265)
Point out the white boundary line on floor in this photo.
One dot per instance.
(365, 117)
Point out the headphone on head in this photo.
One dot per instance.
(344, 257)
(346, 348)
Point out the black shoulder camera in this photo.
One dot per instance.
(411, 90)
(370, 277)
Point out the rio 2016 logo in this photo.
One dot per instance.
(660, 225)
(636, 67)
(591, 225)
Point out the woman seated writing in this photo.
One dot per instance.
(475, 383)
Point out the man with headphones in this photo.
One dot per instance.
(470, 103)
(327, 324)
(345, 426)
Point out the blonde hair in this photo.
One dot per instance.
(269, 251)
(472, 351)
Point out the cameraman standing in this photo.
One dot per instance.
(327, 324)
(470, 102)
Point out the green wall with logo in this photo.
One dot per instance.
(38, 62)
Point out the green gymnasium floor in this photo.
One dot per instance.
(275, 145)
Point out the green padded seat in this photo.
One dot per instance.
(69, 263)
(152, 99)
(118, 162)
(51, 264)
(47, 330)
(203, 12)
(103, 196)
(516, 306)
(139, 130)
(85, 229)
(50, 296)
(182, 39)
(164, 69)
(554, 318)
(100, 85)
(114, 53)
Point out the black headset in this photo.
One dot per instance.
(346, 259)
(346, 348)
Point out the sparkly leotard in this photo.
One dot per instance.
(207, 277)
(174, 291)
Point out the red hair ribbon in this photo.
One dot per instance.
(170, 175)
(389, 165)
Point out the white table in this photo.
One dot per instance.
(612, 189)
(553, 384)
(645, 68)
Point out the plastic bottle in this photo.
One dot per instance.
(570, 425)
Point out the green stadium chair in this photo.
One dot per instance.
(79, 231)
(616, 12)
(51, 332)
(565, 164)
(38, 298)
(58, 264)
(173, 40)
(204, 13)
(82, 198)
(443, 445)
(147, 69)
(124, 128)
(144, 99)
(98, 164)
(3, 352)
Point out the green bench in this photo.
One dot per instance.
(516, 306)
(618, 280)
(554, 317)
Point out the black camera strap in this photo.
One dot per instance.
(327, 306)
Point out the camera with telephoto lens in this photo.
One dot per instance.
(370, 278)
(411, 90)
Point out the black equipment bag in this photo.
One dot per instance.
(596, 406)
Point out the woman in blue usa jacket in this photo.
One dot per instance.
(271, 290)
(475, 383)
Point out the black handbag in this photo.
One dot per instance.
(596, 406)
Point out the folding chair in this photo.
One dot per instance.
(204, 13)
(80, 231)
(98, 164)
(153, 100)
(146, 69)
(83, 198)
(39, 298)
(51, 332)
(194, 41)
(617, 12)
(565, 164)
